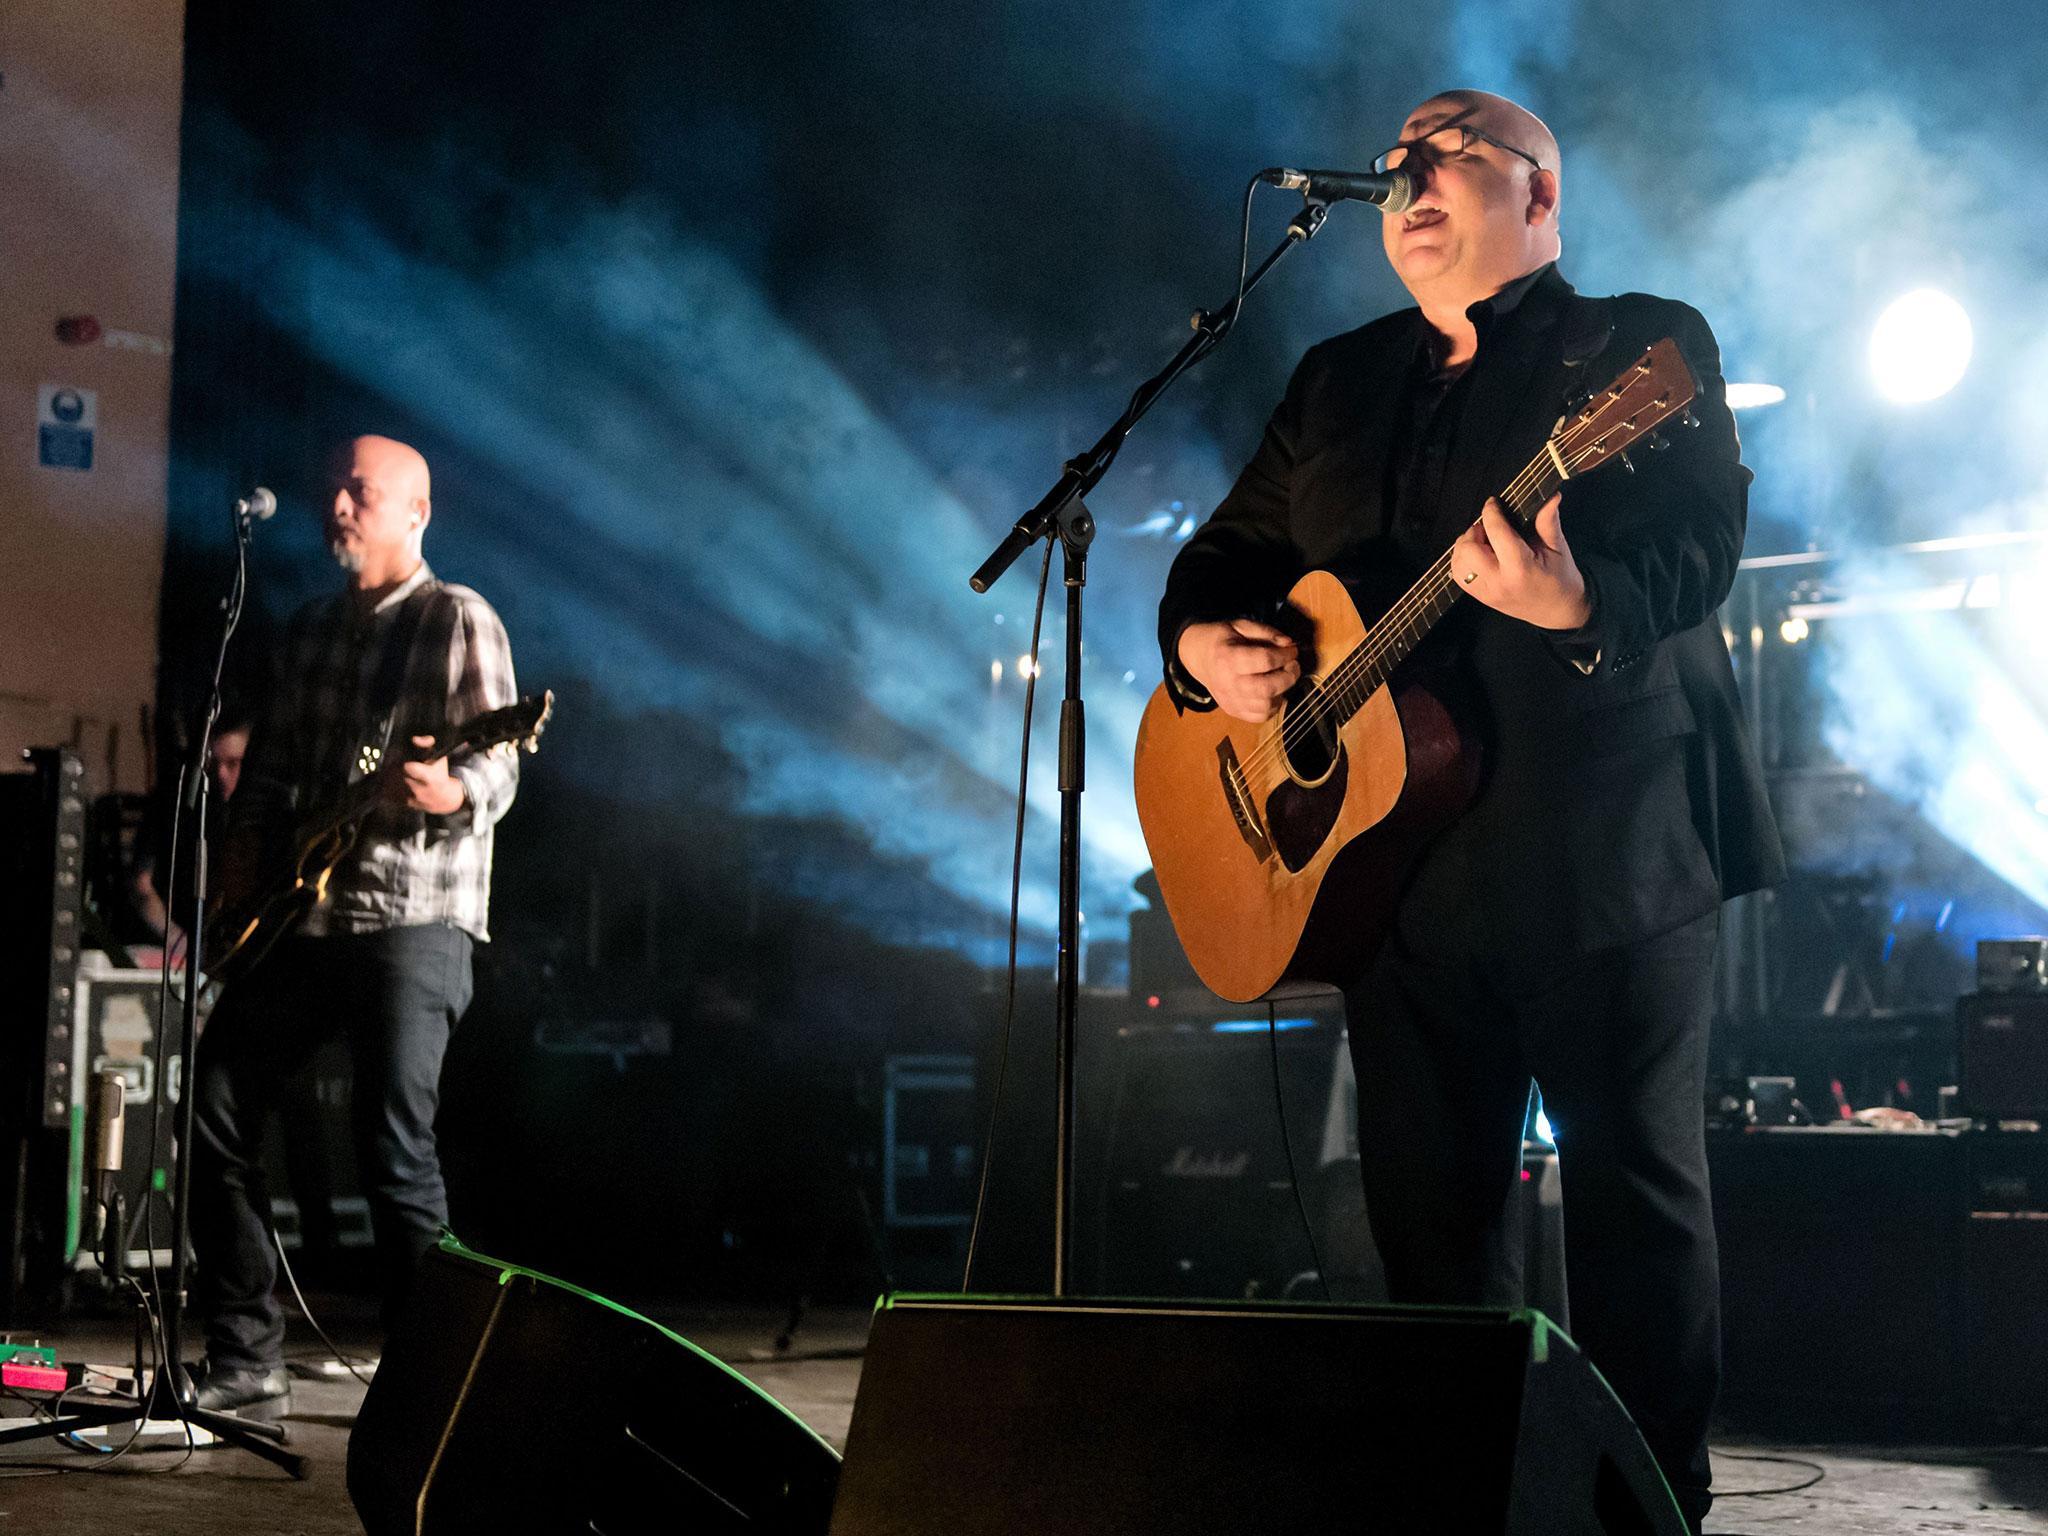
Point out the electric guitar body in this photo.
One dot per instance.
(238, 938)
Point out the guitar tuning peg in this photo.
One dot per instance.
(1689, 419)
(1659, 442)
(1626, 463)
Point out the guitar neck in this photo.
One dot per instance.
(361, 797)
(1396, 634)
(356, 802)
(522, 722)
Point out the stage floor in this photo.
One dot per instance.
(1866, 1490)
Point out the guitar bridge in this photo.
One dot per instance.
(1238, 792)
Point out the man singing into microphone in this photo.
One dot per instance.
(396, 657)
(1564, 928)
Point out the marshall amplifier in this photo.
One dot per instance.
(1196, 1197)
(2002, 1042)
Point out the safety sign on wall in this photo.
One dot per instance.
(66, 419)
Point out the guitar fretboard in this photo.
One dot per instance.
(1394, 638)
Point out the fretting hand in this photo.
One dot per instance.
(428, 786)
(1532, 578)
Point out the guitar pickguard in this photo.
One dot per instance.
(1299, 816)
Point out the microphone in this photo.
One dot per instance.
(1392, 190)
(260, 503)
(109, 1105)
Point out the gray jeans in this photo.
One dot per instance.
(395, 997)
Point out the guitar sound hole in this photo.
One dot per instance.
(1301, 811)
(1309, 733)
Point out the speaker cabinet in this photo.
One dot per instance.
(1024, 1418)
(2002, 1047)
(2005, 1276)
(1840, 1287)
(1197, 1197)
(42, 846)
(509, 1401)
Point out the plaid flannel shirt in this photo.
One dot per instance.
(408, 867)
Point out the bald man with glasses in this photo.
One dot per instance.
(1564, 928)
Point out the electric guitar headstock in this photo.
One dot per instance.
(522, 722)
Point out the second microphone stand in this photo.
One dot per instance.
(170, 1396)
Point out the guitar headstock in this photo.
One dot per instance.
(1649, 392)
(522, 722)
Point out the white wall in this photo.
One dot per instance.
(89, 101)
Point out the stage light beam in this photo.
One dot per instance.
(1748, 397)
(1920, 346)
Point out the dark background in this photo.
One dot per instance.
(737, 334)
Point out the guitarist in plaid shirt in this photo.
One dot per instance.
(396, 657)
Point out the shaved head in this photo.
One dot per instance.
(1485, 207)
(378, 514)
(1496, 115)
(400, 467)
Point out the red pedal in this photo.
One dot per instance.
(32, 1377)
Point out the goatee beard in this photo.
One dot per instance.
(350, 560)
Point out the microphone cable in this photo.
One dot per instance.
(1287, 1145)
(988, 1148)
(1141, 399)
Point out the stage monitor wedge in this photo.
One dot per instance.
(1008, 1417)
(508, 1401)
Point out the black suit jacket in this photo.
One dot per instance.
(1618, 802)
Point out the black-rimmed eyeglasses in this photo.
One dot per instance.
(1441, 144)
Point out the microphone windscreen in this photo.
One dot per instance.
(1401, 194)
(109, 1103)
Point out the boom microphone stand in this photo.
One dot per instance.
(1062, 514)
(171, 1396)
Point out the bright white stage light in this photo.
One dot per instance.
(1747, 397)
(1920, 346)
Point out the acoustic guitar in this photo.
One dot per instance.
(237, 939)
(1282, 847)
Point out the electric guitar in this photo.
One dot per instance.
(238, 938)
(1281, 847)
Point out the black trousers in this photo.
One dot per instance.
(1445, 1038)
(395, 997)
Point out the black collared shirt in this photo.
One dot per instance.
(1428, 417)
(1431, 409)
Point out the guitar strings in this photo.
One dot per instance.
(1418, 599)
(1427, 589)
(1433, 583)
